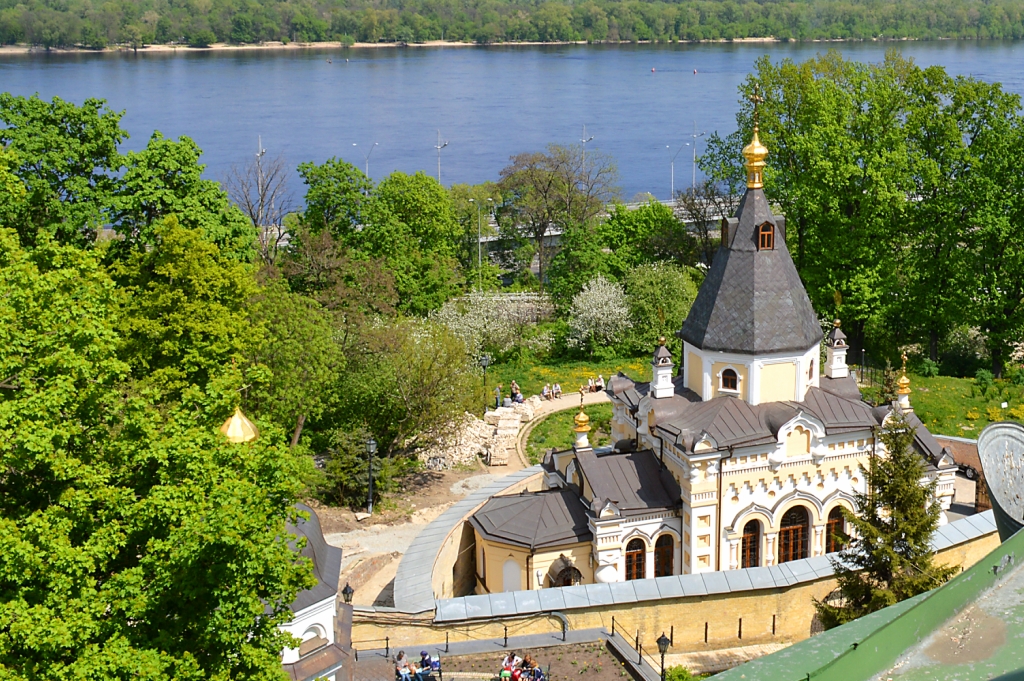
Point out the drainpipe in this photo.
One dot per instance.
(718, 514)
(529, 569)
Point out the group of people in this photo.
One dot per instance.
(551, 392)
(515, 395)
(594, 385)
(405, 670)
(518, 668)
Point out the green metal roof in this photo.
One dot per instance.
(967, 629)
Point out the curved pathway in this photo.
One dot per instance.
(563, 403)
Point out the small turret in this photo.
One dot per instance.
(581, 429)
(835, 350)
(661, 372)
(903, 391)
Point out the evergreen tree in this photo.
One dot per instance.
(890, 559)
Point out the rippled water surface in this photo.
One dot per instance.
(488, 103)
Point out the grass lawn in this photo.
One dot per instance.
(957, 406)
(571, 375)
(556, 431)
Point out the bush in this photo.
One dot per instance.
(928, 368)
(203, 38)
(984, 379)
(678, 673)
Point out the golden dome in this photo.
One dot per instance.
(239, 429)
(582, 421)
(661, 340)
(903, 382)
(755, 153)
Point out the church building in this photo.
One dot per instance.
(743, 456)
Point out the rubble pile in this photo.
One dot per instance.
(492, 439)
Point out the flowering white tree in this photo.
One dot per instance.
(494, 322)
(599, 315)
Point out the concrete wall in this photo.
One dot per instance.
(789, 608)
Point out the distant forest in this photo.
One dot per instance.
(101, 23)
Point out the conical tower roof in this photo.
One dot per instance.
(752, 300)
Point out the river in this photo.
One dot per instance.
(640, 103)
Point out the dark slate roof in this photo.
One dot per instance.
(844, 387)
(836, 334)
(326, 560)
(838, 414)
(729, 421)
(635, 481)
(623, 387)
(752, 301)
(534, 519)
(662, 352)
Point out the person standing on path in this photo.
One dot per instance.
(497, 396)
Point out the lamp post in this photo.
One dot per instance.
(584, 140)
(371, 448)
(439, 147)
(346, 593)
(695, 136)
(479, 238)
(673, 164)
(485, 361)
(366, 158)
(663, 643)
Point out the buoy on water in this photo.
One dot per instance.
(652, 69)
(695, 70)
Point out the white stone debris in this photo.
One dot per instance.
(492, 438)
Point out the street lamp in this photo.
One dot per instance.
(485, 361)
(584, 140)
(663, 643)
(479, 239)
(685, 144)
(371, 448)
(366, 158)
(439, 147)
(695, 136)
(347, 592)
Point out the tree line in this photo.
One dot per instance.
(94, 24)
(901, 189)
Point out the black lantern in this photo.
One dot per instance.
(371, 449)
(346, 593)
(663, 644)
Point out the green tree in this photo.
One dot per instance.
(139, 543)
(335, 194)
(66, 158)
(660, 296)
(300, 348)
(166, 179)
(185, 314)
(638, 236)
(580, 259)
(890, 559)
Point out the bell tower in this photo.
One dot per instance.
(661, 372)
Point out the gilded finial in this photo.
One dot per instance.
(239, 429)
(755, 153)
(661, 340)
(582, 421)
(903, 382)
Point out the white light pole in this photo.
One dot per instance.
(366, 158)
(584, 140)
(673, 164)
(479, 251)
(695, 136)
(439, 147)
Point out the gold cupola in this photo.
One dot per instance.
(755, 154)
(903, 382)
(582, 421)
(239, 429)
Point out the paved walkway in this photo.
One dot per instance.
(548, 407)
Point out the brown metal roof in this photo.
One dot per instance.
(837, 413)
(534, 519)
(635, 481)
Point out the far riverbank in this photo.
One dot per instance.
(335, 45)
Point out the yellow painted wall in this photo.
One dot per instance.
(695, 373)
(778, 382)
(741, 374)
(798, 442)
(791, 607)
(579, 554)
(495, 556)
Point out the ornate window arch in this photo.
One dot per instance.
(750, 548)
(729, 379)
(795, 534)
(636, 558)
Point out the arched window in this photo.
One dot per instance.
(751, 549)
(835, 529)
(664, 549)
(766, 237)
(569, 576)
(794, 534)
(636, 554)
(312, 640)
(729, 380)
(510, 576)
